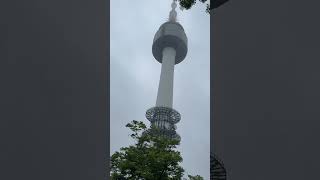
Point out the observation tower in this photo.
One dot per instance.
(170, 47)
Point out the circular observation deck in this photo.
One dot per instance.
(170, 34)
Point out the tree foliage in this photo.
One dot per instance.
(197, 177)
(150, 158)
(212, 4)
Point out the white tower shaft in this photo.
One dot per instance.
(165, 90)
(170, 47)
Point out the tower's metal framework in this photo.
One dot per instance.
(217, 169)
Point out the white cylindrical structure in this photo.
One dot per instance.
(165, 90)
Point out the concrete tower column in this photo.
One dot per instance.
(165, 91)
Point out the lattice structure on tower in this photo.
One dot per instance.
(217, 169)
(164, 119)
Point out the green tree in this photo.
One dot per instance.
(187, 4)
(197, 177)
(150, 158)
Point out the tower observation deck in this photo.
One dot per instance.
(170, 47)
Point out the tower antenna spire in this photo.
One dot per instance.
(173, 13)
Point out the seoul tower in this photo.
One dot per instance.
(170, 47)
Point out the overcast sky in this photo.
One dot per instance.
(135, 76)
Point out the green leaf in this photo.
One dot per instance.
(151, 158)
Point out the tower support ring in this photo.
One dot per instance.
(163, 114)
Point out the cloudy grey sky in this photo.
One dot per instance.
(135, 75)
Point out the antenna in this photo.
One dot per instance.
(173, 13)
